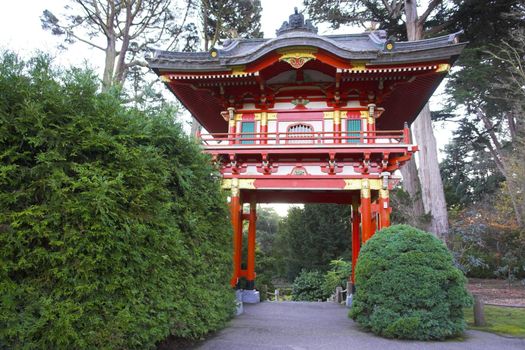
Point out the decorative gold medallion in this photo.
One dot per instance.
(297, 57)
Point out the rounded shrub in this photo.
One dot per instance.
(309, 286)
(408, 287)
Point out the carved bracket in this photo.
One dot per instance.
(266, 166)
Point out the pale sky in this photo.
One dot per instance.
(21, 31)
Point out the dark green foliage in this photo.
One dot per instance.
(337, 276)
(113, 233)
(309, 286)
(469, 172)
(310, 237)
(222, 19)
(408, 287)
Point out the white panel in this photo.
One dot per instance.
(284, 170)
(354, 104)
(251, 170)
(283, 105)
(317, 104)
(314, 170)
(348, 170)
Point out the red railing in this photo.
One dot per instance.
(308, 138)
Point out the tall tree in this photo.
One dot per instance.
(404, 19)
(122, 30)
(229, 19)
(488, 91)
(310, 237)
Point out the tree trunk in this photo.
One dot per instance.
(109, 64)
(432, 193)
(121, 70)
(412, 186)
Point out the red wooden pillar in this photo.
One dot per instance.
(384, 210)
(236, 217)
(366, 211)
(251, 246)
(356, 243)
(371, 125)
(337, 126)
(232, 132)
(264, 128)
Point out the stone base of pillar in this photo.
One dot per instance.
(238, 302)
(350, 290)
(250, 297)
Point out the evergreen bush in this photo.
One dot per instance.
(337, 276)
(309, 286)
(113, 229)
(408, 287)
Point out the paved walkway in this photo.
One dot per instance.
(298, 326)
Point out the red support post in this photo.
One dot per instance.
(264, 128)
(236, 217)
(231, 131)
(337, 126)
(384, 210)
(374, 222)
(251, 246)
(356, 244)
(406, 134)
(366, 211)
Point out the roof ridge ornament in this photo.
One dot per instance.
(296, 22)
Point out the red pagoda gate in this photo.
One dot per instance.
(304, 118)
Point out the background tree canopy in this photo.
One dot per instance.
(113, 228)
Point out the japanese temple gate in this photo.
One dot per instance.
(304, 118)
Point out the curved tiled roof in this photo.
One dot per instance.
(366, 46)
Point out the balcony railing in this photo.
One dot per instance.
(307, 138)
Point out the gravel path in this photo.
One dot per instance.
(298, 326)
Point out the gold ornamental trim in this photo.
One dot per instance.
(271, 116)
(365, 193)
(297, 56)
(333, 115)
(443, 67)
(165, 78)
(371, 120)
(384, 194)
(365, 114)
(231, 123)
(239, 70)
(239, 184)
(337, 117)
(264, 118)
(358, 65)
(238, 117)
(328, 115)
(358, 184)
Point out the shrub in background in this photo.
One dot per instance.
(113, 232)
(309, 286)
(337, 276)
(408, 287)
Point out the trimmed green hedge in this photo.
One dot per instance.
(113, 228)
(309, 286)
(408, 287)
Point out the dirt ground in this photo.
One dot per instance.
(497, 292)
